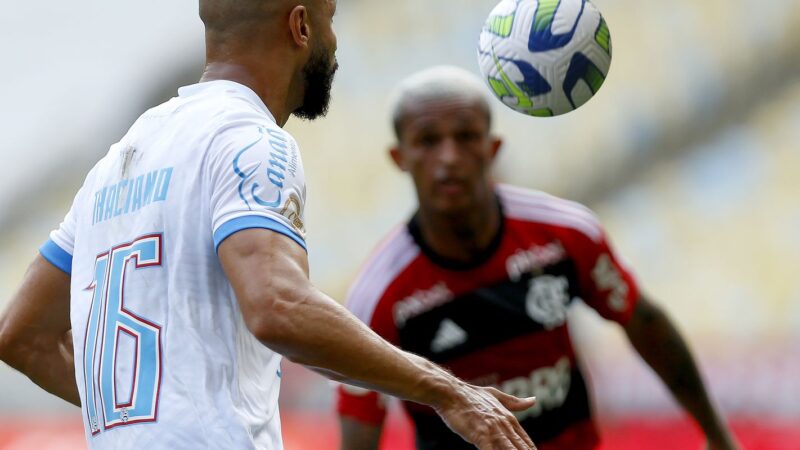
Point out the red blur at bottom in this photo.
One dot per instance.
(316, 431)
(629, 434)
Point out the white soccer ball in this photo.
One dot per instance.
(544, 57)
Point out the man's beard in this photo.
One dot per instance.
(318, 74)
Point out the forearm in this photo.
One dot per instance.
(318, 332)
(269, 276)
(665, 351)
(35, 336)
(50, 365)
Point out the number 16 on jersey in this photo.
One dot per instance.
(109, 323)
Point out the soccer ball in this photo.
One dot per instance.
(544, 57)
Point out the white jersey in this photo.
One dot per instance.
(163, 359)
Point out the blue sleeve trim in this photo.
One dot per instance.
(56, 256)
(246, 222)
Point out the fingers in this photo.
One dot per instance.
(519, 439)
(486, 419)
(509, 432)
(522, 434)
(511, 402)
(518, 434)
(505, 442)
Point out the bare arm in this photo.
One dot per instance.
(358, 435)
(269, 274)
(660, 344)
(35, 336)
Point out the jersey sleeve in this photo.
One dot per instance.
(606, 284)
(60, 247)
(256, 181)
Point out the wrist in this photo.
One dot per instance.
(439, 389)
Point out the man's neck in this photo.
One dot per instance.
(270, 87)
(464, 237)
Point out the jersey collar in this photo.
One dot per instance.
(226, 85)
(480, 258)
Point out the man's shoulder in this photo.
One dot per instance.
(540, 209)
(220, 110)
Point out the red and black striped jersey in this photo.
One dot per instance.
(500, 320)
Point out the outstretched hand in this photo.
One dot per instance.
(484, 416)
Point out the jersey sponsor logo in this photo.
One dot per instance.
(448, 335)
(420, 302)
(281, 159)
(607, 278)
(534, 258)
(131, 194)
(550, 385)
(547, 300)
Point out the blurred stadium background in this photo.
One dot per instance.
(690, 154)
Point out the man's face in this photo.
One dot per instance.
(321, 67)
(446, 147)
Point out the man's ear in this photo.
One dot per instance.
(397, 158)
(496, 144)
(300, 25)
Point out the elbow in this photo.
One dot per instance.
(13, 347)
(263, 327)
(23, 348)
(6, 341)
(270, 317)
(286, 323)
(4, 348)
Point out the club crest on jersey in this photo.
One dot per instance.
(259, 173)
(547, 300)
(293, 210)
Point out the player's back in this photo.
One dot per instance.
(163, 358)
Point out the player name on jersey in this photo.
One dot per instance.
(130, 195)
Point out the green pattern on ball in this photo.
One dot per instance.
(499, 87)
(594, 78)
(545, 11)
(523, 101)
(501, 25)
(541, 112)
(505, 87)
(603, 36)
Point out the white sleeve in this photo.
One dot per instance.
(257, 181)
(59, 248)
